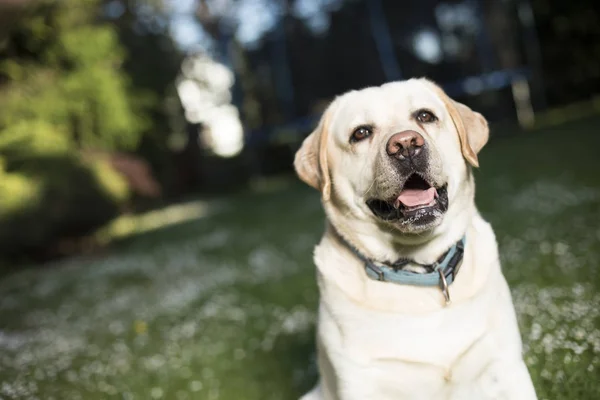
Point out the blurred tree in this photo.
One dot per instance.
(152, 63)
(62, 68)
(62, 91)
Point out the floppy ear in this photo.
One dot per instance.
(472, 129)
(311, 159)
(471, 126)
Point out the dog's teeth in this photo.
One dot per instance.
(397, 204)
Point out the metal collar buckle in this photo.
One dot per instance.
(444, 286)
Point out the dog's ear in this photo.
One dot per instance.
(471, 126)
(311, 159)
(472, 129)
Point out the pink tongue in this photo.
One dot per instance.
(416, 197)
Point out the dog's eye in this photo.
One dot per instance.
(360, 133)
(425, 116)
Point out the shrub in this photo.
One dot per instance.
(64, 197)
(26, 139)
(110, 181)
(17, 192)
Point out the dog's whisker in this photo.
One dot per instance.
(370, 187)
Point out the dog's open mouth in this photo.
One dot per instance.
(418, 199)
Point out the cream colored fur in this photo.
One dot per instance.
(380, 340)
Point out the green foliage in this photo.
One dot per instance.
(62, 90)
(152, 63)
(53, 197)
(17, 192)
(66, 73)
(113, 184)
(26, 139)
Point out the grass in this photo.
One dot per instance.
(222, 306)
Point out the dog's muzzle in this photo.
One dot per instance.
(418, 201)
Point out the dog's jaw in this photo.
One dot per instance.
(388, 240)
(412, 203)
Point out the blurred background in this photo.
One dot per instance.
(154, 242)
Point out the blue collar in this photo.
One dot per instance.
(443, 271)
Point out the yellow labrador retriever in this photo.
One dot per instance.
(413, 301)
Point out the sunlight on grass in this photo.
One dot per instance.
(129, 224)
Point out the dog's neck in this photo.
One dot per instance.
(441, 273)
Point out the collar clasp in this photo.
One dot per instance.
(444, 287)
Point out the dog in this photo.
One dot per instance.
(413, 302)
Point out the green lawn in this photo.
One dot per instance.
(222, 306)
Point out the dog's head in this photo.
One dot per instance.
(395, 156)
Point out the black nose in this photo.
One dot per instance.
(407, 144)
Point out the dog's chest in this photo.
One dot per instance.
(387, 355)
